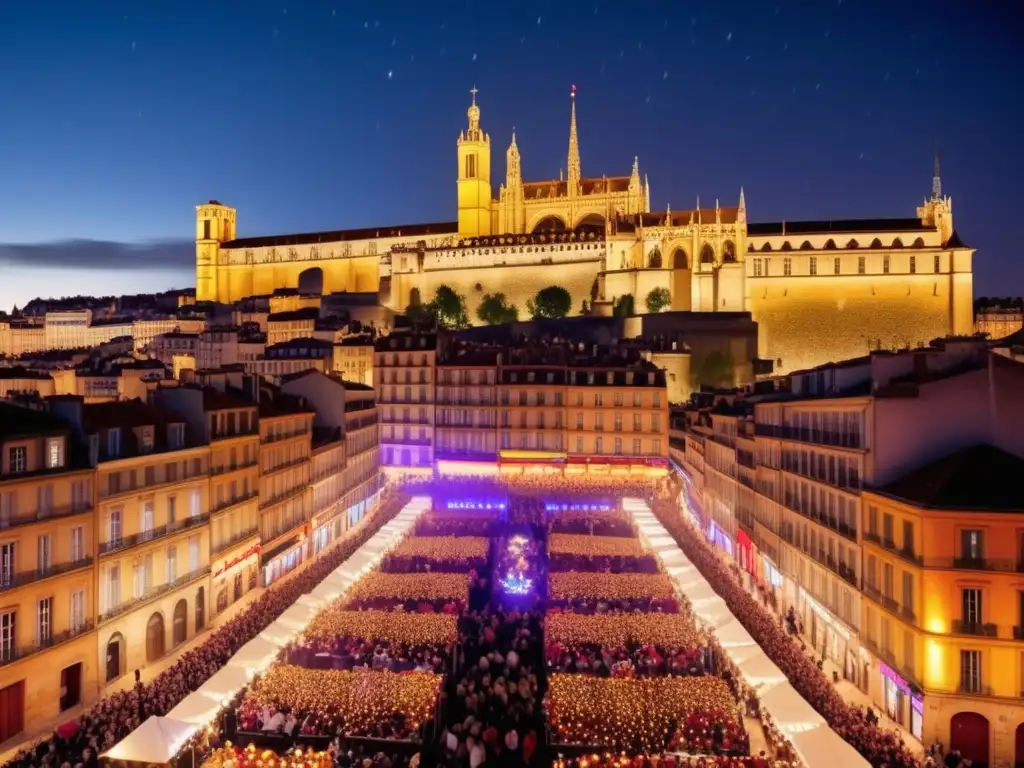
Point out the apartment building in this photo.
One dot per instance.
(823, 441)
(585, 410)
(151, 525)
(291, 357)
(346, 459)
(286, 432)
(228, 424)
(224, 346)
(405, 374)
(353, 359)
(47, 553)
(944, 614)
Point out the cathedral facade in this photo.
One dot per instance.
(819, 290)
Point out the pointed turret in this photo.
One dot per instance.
(574, 147)
(513, 167)
(936, 178)
(741, 209)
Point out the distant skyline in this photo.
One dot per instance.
(316, 115)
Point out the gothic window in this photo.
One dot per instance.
(937, 263)
(919, 243)
(837, 265)
(707, 256)
(885, 264)
(806, 245)
(876, 243)
(830, 244)
(470, 166)
(913, 265)
(853, 244)
(786, 246)
(679, 260)
(787, 266)
(897, 243)
(654, 260)
(729, 252)
(206, 230)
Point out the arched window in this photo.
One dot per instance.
(200, 608)
(311, 281)
(654, 260)
(853, 244)
(707, 255)
(830, 244)
(876, 243)
(116, 650)
(919, 243)
(591, 221)
(897, 243)
(786, 246)
(679, 260)
(806, 246)
(729, 252)
(549, 224)
(179, 631)
(155, 637)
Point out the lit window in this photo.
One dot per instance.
(55, 453)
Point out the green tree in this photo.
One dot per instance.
(494, 309)
(657, 300)
(553, 301)
(450, 309)
(623, 306)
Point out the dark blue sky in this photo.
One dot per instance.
(119, 117)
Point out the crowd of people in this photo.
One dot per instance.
(628, 668)
(437, 554)
(298, 701)
(78, 744)
(854, 724)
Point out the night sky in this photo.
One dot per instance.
(119, 117)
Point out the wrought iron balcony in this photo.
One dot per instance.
(135, 539)
(154, 592)
(11, 654)
(9, 581)
(960, 627)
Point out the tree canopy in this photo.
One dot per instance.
(657, 300)
(449, 308)
(551, 302)
(623, 306)
(494, 309)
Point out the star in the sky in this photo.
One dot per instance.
(538, 21)
(728, 38)
(391, 72)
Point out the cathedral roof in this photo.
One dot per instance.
(679, 218)
(343, 235)
(840, 225)
(558, 187)
(955, 241)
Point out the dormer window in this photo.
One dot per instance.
(55, 453)
(114, 442)
(175, 436)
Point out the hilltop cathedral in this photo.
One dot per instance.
(819, 290)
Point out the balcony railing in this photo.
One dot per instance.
(1005, 565)
(10, 581)
(279, 436)
(154, 592)
(889, 545)
(142, 537)
(8, 520)
(225, 468)
(818, 436)
(971, 689)
(229, 434)
(960, 627)
(1018, 633)
(10, 654)
(234, 502)
(236, 539)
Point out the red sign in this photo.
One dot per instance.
(253, 550)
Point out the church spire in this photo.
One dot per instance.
(936, 178)
(513, 172)
(473, 114)
(574, 148)
(741, 210)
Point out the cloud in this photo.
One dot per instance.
(100, 254)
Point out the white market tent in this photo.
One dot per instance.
(159, 739)
(812, 738)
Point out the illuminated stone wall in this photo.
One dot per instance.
(808, 321)
(518, 283)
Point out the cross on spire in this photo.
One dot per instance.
(474, 91)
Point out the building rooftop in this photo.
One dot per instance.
(980, 478)
(343, 235)
(764, 229)
(125, 414)
(17, 421)
(306, 313)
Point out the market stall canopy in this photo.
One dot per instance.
(196, 708)
(157, 740)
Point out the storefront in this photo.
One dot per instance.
(746, 554)
(829, 638)
(721, 539)
(283, 559)
(901, 702)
